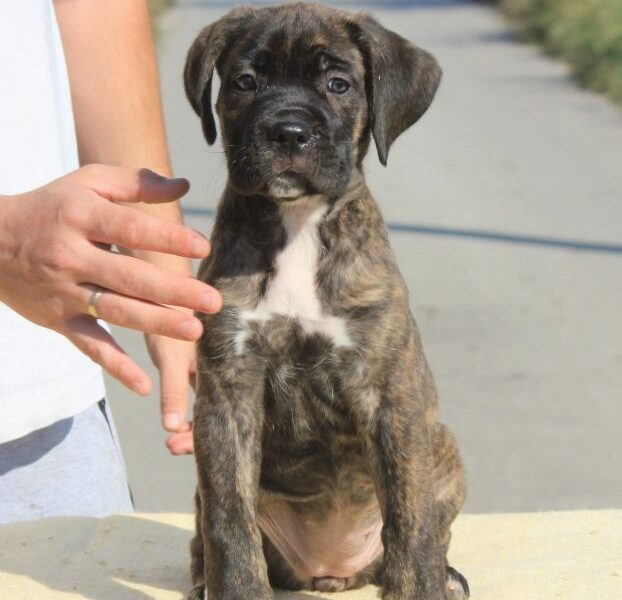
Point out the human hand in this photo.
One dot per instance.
(54, 247)
(176, 362)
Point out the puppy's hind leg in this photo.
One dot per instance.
(197, 554)
(450, 492)
(400, 456)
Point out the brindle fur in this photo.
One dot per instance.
(293, 418)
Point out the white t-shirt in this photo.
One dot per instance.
(43, 377)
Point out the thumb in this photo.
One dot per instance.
(124, 184)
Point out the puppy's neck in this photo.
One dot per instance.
(291, 290)
(268, 222)
(302, 213)
(308, 204)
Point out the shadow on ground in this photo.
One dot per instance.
(122, 558)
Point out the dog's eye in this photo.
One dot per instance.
(338, 86)
(245, 82)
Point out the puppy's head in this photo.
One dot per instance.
(302, 87)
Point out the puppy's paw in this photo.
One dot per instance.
(456, 586)
(329, 584)
(198, 593)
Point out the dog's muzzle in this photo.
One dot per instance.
(291, 138)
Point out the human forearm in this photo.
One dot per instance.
(115, 92)
(116, 98)
(114, 82)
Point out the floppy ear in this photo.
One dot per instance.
(202, 57)
(401, 81)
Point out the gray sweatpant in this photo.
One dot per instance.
(72, 467)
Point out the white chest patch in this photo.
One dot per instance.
(292, 291)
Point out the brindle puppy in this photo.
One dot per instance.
(321, 462)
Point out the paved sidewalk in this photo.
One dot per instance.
(567, 556)
(524, 334)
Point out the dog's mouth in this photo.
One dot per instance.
(288, 181)
(288, 185)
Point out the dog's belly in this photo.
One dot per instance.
(339, 544)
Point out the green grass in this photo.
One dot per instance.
(587, 34)
(156, 7)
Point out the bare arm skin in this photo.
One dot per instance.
(116, 97)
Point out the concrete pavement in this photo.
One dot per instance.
(491, 197)
(567, 555)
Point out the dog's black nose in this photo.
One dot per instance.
(291, 136)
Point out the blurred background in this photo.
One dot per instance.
(504, 209)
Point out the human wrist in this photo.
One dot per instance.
(162, 348)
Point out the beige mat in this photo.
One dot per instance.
(572, 556)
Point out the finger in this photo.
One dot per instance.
(174, 389)
(143, 316)
(124, 184)
(180, 443)
(139, 279)
(98, 344)
(129, 228)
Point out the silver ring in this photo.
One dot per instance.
(91, 307)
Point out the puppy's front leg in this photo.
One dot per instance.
(227, 437)
(401, 458)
